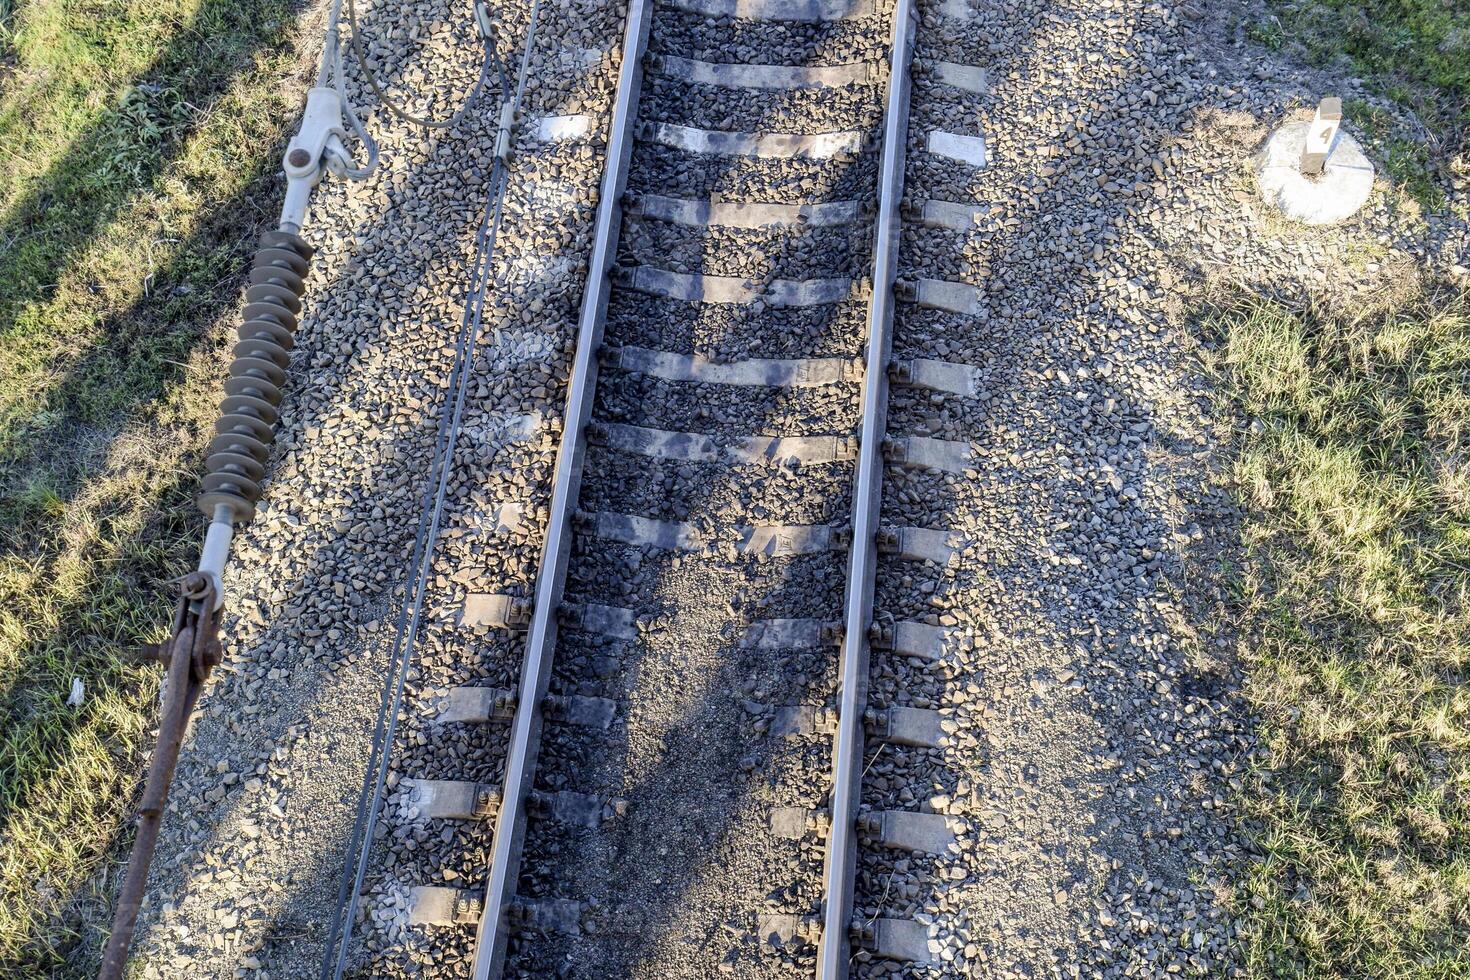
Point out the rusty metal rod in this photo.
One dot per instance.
(190, 654)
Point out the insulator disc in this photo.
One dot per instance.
(244, 486)
(268, 330)
(283, 258)
(241, 509)
(269, 350)
(255, 388)
(250, 405)
(284, 239)
(238, 444)
(245, 425)
(271, 311)
(237, 463)
(269, 292)
(258, 367)
(278, 276)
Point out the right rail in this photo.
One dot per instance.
(841, 856)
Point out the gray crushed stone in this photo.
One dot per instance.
(1093, 721)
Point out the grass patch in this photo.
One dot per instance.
(1415, 52)
(1355, 475)
(1407, 162)
(138, 140)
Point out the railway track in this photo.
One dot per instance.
(682, 740)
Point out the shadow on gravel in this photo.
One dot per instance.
(321, 635)
(1102, 681)
(1100, 552)
(663, 796)
(141, 479)
(278, 627)
(693, 857)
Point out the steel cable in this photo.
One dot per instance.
(355, 40)
(340, 931)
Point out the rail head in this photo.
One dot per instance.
(525, 733)
(841, 857)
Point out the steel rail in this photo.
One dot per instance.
(840, 866)
(525, 743)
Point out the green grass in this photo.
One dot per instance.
(1354, 470)
(1407, 162)
(1415, 52)
(137, 144)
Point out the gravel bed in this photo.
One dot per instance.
(659, 170)
(262, 804)
(727, 410)
(377, 343)
(1090, 700)
(731, 333)
(1095, 730)
(1087, 773)
(723, 39)
(758, 254)
(806, 111)
(819, 493)
(690, 757)
(535, 291)
(944, 254)
(698, 776)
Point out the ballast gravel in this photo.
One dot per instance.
(248, 871)
(1094, 731)
(1091, 698)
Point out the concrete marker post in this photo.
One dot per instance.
(1313, 171)
(1321, 136)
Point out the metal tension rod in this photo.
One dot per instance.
(189, 655)
(238, 454)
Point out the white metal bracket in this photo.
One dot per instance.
(318, 143)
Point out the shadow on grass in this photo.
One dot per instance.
(50, 231)
(93, 493)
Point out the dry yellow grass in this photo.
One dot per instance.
(1356, 481)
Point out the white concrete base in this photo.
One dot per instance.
(1342, 188)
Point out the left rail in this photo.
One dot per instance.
(525, 734)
